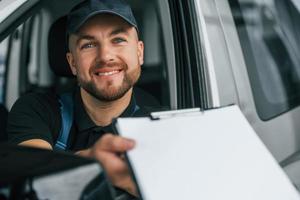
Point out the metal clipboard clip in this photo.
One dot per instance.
(174, 113)
(182, 112)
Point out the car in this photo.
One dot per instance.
(198, 53)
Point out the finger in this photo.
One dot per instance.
(114, 143)
(107, 150)
(112, 163)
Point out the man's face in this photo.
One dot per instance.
(106, 56)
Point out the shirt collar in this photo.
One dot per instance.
(83, 120)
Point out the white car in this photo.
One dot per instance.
(198, 53)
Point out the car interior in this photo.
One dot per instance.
(36, 60)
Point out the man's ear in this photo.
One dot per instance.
(141, 52)
(71, 62)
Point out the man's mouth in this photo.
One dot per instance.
(108, 73)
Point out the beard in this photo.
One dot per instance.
(110, 92)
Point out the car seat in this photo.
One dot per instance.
(65, 81)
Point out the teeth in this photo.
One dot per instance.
(107, 73)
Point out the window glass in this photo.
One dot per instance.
(8, 7)
(153, 78)
(269, 34)
(3, 56)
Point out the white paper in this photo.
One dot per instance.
(214, 155)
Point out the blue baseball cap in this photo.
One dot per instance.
(89, 8)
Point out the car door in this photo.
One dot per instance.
(270, 47)
(244, 53)
(15, 25)
(228, 77)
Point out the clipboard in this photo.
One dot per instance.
(193, 154)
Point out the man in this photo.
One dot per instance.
(105, 55)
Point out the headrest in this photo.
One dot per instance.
(57, 48)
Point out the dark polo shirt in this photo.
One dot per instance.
(37, 116)
(88, 132)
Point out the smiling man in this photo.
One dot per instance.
(105, 54)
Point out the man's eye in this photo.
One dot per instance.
(118, 40)
(87, 46)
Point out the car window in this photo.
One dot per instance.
(269, 35)
(3, 58)
(8, 7)
(153, 79)
(12, 74)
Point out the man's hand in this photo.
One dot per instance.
(108, 151)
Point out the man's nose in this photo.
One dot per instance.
(105, 53)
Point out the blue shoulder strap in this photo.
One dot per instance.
(66, 112)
